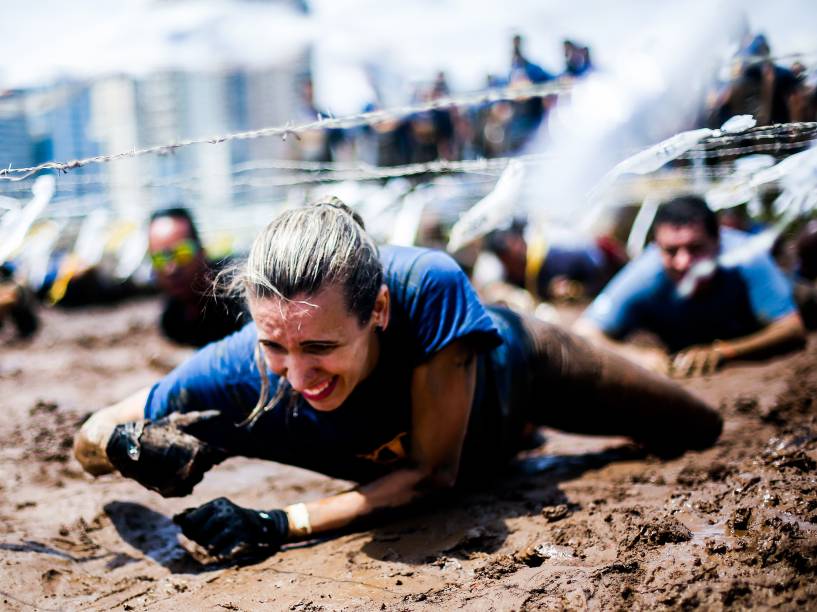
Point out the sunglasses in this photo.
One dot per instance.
(182, 254)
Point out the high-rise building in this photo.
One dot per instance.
(17, 148)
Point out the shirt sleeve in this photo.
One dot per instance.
(222, 376)
(443, 307)
(770, 292)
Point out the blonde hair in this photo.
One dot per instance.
(302, 251)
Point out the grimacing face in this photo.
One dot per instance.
(682, 246)
(318, 345)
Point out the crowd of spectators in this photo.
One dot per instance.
(765, 87)
(487, 130)
(773, 90)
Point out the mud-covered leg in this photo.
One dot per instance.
(581, 388)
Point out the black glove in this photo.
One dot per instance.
(229, 531)
(162, 455)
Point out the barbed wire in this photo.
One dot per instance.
(756, 59)
(330, 173)
(490, 167)
(322, 123)
(711, 148)
(779, 137)
(775, 130)
(771, 147)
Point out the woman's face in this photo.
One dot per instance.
(318, 345)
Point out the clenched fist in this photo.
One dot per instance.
(164, 455)
(228, 530)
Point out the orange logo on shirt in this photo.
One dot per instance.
(390, 452)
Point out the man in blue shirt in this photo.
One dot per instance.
(706, 294)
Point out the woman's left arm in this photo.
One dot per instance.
(442, 391)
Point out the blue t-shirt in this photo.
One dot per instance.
(432, 305)
(742, 298)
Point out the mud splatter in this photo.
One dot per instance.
(584, 523)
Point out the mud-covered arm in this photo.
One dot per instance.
(785, 331)
(442, 391)
(650, 358)
(92, 438)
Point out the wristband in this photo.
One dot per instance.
(298, 518)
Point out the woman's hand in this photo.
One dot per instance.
(92, 438)
(163, 455)
(227, 531)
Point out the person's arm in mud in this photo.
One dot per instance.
(649, 358)
(91, 440)
(785, 331)
(442, 391)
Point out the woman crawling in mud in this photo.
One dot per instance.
(376, 366)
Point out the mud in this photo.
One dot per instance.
(578, 523)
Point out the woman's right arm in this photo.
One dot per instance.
(200, 383)
(92, 438)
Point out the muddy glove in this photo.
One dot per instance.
(161, 455)
(229, 531)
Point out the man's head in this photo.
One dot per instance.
(511, 249)
(686, 232)
(516, 44)
(176, 252)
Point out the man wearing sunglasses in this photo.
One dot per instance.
(191, 314)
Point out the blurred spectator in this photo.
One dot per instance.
(522, 67)
(314, 145)
(17, 304)
(527, 113)
(192, 313)
(431, 133)
(803, 102)
(564, 269)
(577, 59)
(705, 311)
(390, 140)
(491, 139)
(761, 88)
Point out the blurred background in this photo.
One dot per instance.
(569, 90)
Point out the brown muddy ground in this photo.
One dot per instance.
(580, 523)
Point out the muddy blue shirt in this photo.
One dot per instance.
(432, 305)
(744, 296)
